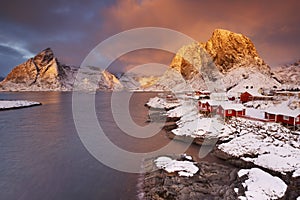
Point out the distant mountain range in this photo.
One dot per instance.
(227, 61)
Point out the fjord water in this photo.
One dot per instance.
(42, 157)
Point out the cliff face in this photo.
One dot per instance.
(41, 72)
(45, 73)
(221, 63)
(231, 50)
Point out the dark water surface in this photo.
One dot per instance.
(42, 157)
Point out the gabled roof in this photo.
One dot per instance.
(253, 92)
(211, 102)
(283, 109)
(232, 106)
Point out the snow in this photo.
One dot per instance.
(161, 103)
(232, 106)
(268, 145)
(283, 109)
(4, 104)
(261, 185)
(211, 102)
(255, 113)
(198, 127)
(255, 79)
(184, 168)
(185, 108)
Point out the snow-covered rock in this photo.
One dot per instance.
(183, 168)
(161, 103)
(262, 185)
(267, 145)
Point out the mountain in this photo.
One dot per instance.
(44, 73)
(288, 75)
(226, 60)
(132, 81)
(92, 78)
(233, 51)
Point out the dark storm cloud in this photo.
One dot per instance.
(73, 28)
(68, 27)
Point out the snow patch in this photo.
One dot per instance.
(184, 168)
(16, 104)
(261, 185)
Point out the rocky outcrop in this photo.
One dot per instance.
(213, 181)
(232, 50)
(45, 73)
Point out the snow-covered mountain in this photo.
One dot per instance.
(45, 73)
(288, 75)
(132, 81)
(92, 78)
(226, 60)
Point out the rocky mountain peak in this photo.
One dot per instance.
(44, 57)
(226, 59)
(231, 50)
(44, 73)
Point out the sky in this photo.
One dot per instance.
(73, 28)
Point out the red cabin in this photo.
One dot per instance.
(231, 110)
(208, 106)
(245, 97)
(283, 115)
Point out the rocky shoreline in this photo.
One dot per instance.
(213, 181)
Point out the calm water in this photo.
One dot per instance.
(42, 157)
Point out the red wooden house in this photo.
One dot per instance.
(283, 115)
(208, 106)
(253, 95)
(231, 110)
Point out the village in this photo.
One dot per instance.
(279, 106)
(250, 129)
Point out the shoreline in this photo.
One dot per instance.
(293, 183)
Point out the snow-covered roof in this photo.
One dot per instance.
(205, 91)
(254, 92)
(283, 109)
(210, 102)
(232, 106)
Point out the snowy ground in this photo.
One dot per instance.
(255, 113)
(268, 145)
(4, 104)
(261, 185)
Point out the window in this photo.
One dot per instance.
(229, 112)
(286, 118)
(298, 119)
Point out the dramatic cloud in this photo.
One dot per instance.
(272, 25)
(74, 28)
